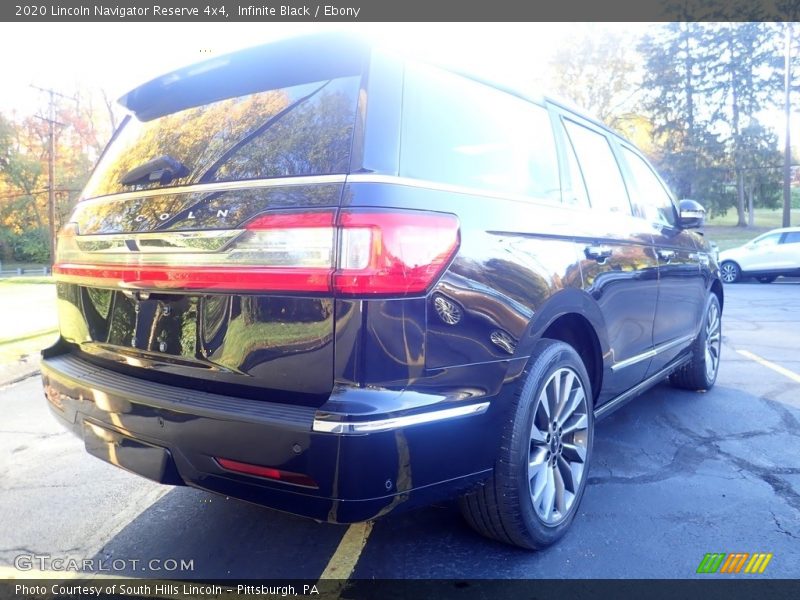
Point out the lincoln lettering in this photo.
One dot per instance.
(221, 213)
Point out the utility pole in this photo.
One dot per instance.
(787, 107)
(51, 165)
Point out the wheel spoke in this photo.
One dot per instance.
(549, 495)
(539, 480)
(560, 499)
(575, 423)
(536, 463)
(566, 475)
(565, 397)
(576, 399)
(537, 435)
(554, 395)
(544, 404)
(574, 452)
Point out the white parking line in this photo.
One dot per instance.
(771, 365)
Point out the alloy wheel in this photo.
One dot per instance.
(729, 272)
(713, 341)
(558, 446)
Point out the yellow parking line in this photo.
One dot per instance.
(771, 365)
(340, 566)
(343, 562)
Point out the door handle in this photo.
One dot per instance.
(666, 255)
(599, 253)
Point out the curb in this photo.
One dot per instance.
(13, 378)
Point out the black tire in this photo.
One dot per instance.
(503, 508)
(698, 374)
(730, 272)
(766, 278)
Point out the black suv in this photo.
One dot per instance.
(322, 278)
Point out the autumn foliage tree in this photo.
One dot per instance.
(80, 133)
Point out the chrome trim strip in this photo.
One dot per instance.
(446, 187)
(361, 427)
(650, 353)
(178, 241)
(633, 360)
(621, 400)
(221, 186)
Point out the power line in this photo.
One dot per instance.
(51, 162)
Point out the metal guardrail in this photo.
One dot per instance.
(20, 272)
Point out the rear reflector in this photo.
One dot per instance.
(266, 472)
(366, 252)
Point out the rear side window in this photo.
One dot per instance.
(304, 129)
(793, 237)
(600, 169)
(461, 132)
(767, 240)
(650, 193)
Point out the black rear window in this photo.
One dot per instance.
(304, 129)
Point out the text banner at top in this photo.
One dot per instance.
(393, 10)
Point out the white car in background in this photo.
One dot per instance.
(767, 257)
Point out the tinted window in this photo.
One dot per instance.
(793, 237)
(649, 192)
(300, 130)
(458, 131)
(600, 169)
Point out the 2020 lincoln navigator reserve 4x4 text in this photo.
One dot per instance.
(322, 278)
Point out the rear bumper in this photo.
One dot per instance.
(363, 465)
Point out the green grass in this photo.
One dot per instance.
(764, 217)
(723, 230)
(11, 352)
(25, 279)
(28, 320)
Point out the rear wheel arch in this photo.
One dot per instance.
(716, 288)
(576, 330)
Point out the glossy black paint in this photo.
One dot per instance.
(523, 270)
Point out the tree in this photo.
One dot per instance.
(598, 73)
(689, 154)
(740, 82)
(704, 85)
(24, 153)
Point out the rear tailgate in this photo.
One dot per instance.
(202, 252)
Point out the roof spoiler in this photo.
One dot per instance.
(279, 64)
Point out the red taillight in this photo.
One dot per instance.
(393, 252)
(266, 472)
(380, 252)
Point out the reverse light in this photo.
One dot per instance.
(364, 252)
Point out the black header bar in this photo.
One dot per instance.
(394, 10)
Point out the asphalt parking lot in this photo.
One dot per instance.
(675, 475)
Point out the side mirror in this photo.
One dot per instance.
(693, 215)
